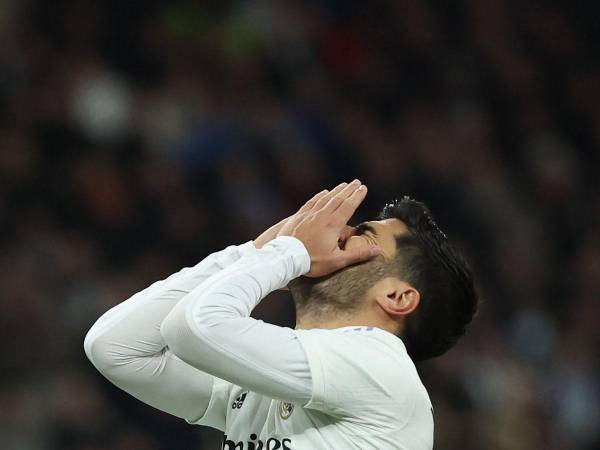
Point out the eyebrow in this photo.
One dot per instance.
(362, 227)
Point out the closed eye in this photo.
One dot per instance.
(364, 227)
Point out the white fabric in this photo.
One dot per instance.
(351, 388)
(126, 346)
(211, 328)
(366, 396)
(369, 389)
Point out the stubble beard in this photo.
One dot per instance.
(340, 293)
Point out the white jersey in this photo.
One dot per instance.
(366, 395)
(187, 345)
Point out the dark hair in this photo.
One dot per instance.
(443, 278)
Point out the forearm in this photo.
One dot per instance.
(211, 329)
(126, 346)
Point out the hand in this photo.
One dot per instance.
(272, 232)
(322, 227)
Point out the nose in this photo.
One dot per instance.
(347, 232)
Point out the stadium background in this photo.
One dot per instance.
(138, 136)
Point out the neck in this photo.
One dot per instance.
(309, 321)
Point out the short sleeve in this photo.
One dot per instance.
(216, 412)
(360, 375)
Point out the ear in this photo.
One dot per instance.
(397, 298)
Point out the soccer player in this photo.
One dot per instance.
(370, 300)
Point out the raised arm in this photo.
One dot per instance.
(126, 346)
(165, 344)
(211, 330)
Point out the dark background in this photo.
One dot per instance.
(136, 137)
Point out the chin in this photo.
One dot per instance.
(339, 290)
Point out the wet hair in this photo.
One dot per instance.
(427, 260)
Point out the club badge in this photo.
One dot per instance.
(285, 410)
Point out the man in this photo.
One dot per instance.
(368, 299)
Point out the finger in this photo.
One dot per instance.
(278, 225)
(323, 200)
(311, 203)
(269, 234)
(340, 197)
(346, 258)
(348, 207)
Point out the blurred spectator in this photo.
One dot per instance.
(137, 137)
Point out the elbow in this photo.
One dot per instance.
(100, 350)
(95, 350)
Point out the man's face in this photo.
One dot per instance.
(345, 288)
(379, 232)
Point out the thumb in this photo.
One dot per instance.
(348, 257)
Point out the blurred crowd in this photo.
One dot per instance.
(136, 137)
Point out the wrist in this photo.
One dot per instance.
(296, 253)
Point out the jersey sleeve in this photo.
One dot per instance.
(216, 411)
(211, 328)
(126, 346)
(360, 375)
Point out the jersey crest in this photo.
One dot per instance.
(285, 410)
